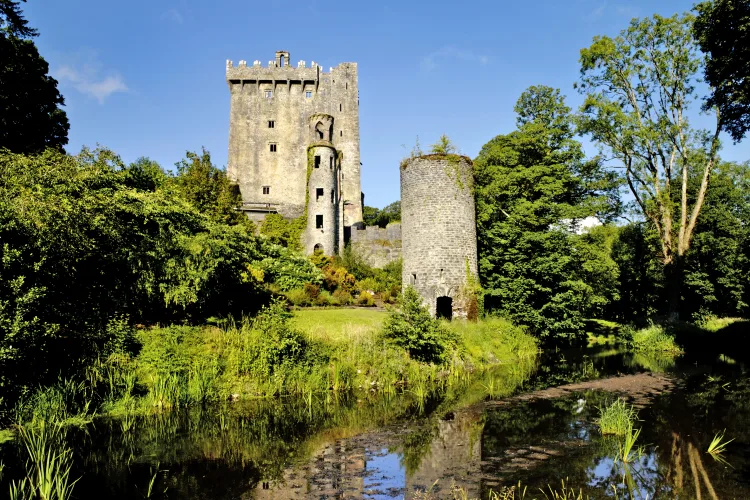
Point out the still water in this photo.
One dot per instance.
(480, 435)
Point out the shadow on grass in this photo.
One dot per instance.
(732, 340)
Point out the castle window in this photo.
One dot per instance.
(339, 107)
(268, 93)
(271, 123)
(272, 148)
(413, 279)
(341, 133)
(317, 161)
(318, 222)
(331, 163)
(308, 94)
(331, 195)
(266, 189)
(347, 85)
(318, 193)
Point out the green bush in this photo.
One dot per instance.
(298, 297)
(651, 339)
(366, 299)
(412, 328)
(343, 297)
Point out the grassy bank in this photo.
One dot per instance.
(275, 354)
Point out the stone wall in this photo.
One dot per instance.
(269, 132)
(439, 228)
(378, 246)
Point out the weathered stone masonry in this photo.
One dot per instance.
(378, 246)
(438, 230)
(272, 128)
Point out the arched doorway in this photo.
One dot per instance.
(318, 248)
(444, 308)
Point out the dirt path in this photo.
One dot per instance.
(639, 389)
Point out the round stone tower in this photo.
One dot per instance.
(438, 226)
(323, 200)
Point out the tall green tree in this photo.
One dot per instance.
(722, 28)
(31, 118)
(208, 188)
(531, 186)
(638, 87)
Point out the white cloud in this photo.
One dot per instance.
(430, 61)
(173, 15)
(87, 81)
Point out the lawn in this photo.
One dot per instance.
(339, 325)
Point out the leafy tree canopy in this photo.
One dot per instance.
(722, 29)
(31, 118)
(530, 184)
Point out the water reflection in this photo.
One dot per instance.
(381, 447)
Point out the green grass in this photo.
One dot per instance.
(616, 418)
(337, 325)
(714, 324)
(654, 338)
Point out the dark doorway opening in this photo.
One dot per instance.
(444, 308)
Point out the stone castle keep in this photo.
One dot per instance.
(294, 146)
(294, 150)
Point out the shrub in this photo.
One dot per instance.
(342, 296)
(312, 291)
(366, 299)
(298, 297)
(652, 339)
(413, 329)
(369, 284)
(337, 277)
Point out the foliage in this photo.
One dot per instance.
(654, 338)
(85, 239)
(284, 232)
(443, 146)
(616, 417)
(31, 118)
(366, 299)
(208, 189)
(637, 89)
(718, 444)
(529, 185)
(412, 328)
(722, 29)
(382, 217)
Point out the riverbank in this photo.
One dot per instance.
(306, 353)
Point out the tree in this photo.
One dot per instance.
(722, 28)
(529, 185)
(30, 115)
(376, 217)
(443, 146)
(208, 188)
(637, 89)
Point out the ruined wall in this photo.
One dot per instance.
(378, 246)
(439, 227)
(270, 108)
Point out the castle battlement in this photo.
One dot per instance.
(280, 70)
(294, 145)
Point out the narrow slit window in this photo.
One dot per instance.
(332, 195)
(272, 148)
(413, 279)
(266, 189)
(318, 193)
(319, 222)
(331, 163)
(341, 133)
(271, 123)
(339, 107)
(317, 161)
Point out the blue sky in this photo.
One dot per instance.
(146, 78)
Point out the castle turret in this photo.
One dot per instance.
(439, 231)
(271, 109)
(324, 215)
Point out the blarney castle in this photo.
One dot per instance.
(294, 150)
